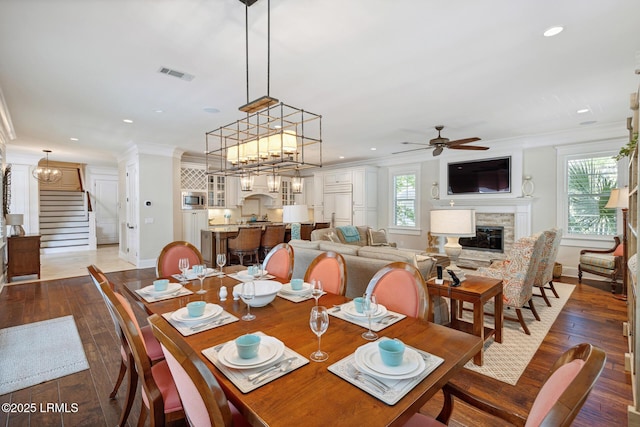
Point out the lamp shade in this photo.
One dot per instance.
(619, 199)
(453, 222)
(15, 219)
(295, 213)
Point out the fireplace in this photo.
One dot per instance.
(488, 238)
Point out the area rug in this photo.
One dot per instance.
(507, 361)
(37, 352)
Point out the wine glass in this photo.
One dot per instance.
(248, 292)
(369, 307)
(316, 289)
(201, 272)
(221, 260)
(319, 322)
(183, 265)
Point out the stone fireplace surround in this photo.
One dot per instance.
(514, 214)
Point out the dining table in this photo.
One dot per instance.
(312, 394)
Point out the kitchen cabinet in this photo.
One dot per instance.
(192, 223)
(217, 191)
(23, 253)
(193, 177)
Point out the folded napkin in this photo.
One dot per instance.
(377, 323)
(350, 233)
(397, 388)
(187, 329)
(192, 276)
(148, 297)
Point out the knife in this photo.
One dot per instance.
(285, 367)
(270, 368)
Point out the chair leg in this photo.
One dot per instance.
(132, 386)
(123, 370)
(143, 415)
(579, 274)
(521, 320)
(553, 289)
(543, 294)
(533, 310)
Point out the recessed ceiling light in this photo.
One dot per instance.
(127, 120)
(373, 148)
(159, 111)
(583, 110)
(553, 31)
(210, 110)
(341, 157)
(73, 139)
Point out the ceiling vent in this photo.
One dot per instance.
(176, 73)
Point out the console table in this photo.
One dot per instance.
(23, 253)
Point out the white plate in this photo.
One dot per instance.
(210, 311)
(350, 310)
(270, 350)
(245, 274)
(191, 275)
(286, 289)
(171, 288)
(368, 359)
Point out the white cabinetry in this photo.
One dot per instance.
(365, 196)
(192, 223)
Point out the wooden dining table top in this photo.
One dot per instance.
(312, 395)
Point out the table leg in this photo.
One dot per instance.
(499, 317)
(478, 328)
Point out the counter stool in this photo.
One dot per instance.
(272, 236)
(247, 242)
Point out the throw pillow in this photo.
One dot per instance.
(378, 238)
(333, 237)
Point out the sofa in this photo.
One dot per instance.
(362, 236)
(362, 263)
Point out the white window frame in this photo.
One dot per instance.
(411, 169)
(585, 151)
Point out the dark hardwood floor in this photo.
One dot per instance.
(591, 315)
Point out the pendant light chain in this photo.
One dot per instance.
(246, 43)
(268, 45)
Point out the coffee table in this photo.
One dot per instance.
(477, 290)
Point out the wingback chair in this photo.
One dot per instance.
(544, 276)
(247, 242)
(518, 273)
(606, 263)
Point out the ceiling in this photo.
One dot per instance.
(379, 71)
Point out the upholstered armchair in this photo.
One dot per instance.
(544, 276)
(518, 273)
(606, 263)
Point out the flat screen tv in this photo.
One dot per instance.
(480, 176)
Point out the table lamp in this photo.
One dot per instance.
(453, 224)
(15, 221)
(619, 199)
(294, 215)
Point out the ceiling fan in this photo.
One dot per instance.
(440, 143)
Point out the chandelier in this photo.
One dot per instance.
(273, 138)
(45, 174)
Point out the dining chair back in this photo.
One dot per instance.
(563, 393)
(319, 225)
(247, 242)
(305, 231)
(544, 276)
(279, 261)
(167, 263)
(272, 236)
(205, 404)
(400, 287)
(330, 268)
(159, 394)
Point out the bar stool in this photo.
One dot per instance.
(305, 231)
(273, 235)
(247, 242)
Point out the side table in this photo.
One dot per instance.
(477, 290)
(23, 256)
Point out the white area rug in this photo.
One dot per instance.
(507, 361)
(37, 352)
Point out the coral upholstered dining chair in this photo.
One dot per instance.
(152, 347)
(328, 267)
(159, 394)
(400, 287)
(279, 261)
(167, 263)
(205, 404)
(563, 393)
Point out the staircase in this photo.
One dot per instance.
(65, 224)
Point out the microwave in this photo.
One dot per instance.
(194, 200)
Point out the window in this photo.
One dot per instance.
(404, 200)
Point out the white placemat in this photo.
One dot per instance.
(397, 389)
(239, 377)
(150, 298)
(377, 324)
(297, 298)
(186, 329)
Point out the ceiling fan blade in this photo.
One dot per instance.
(415, 149)
(462, 141)
(414, 143)
(468, 147)
(437, 151)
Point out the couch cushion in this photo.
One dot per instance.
(341, 248)
(363, 230)
(296, 243)
(321, 233)
(606, 262)
(386, 253)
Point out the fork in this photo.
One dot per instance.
(387, 319)
(357, 375)
(214, 323)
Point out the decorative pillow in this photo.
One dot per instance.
(378, 238)
(332, 237)
(363, 231)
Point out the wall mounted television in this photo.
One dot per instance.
(485, 176)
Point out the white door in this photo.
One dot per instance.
(338, 206)
(106, 209)
(131, 222)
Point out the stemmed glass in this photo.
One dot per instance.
(369, 307)
(316, 289)
(221, 260)
(201, 272)
(319, 322)
(248, 292)
(183, 265)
